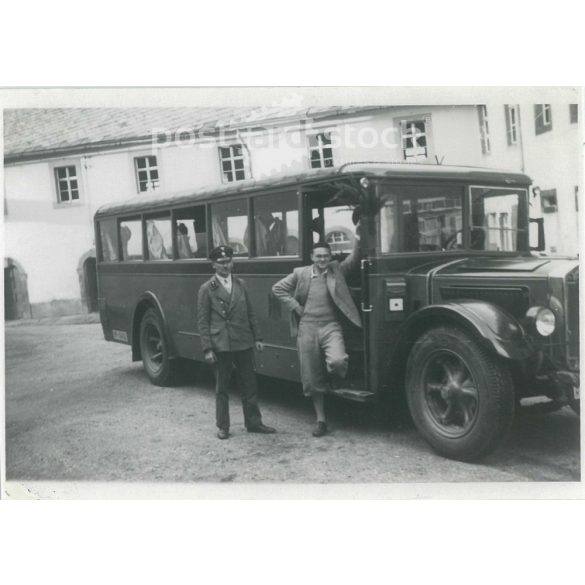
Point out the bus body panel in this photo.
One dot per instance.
(490, 293)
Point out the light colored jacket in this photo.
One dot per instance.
(293, 290)
(226, 322)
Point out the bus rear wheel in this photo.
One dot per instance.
(154, 350)
(460, 396)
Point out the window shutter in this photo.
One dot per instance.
(508, 128)
(539, 122)
(483, 129)
(538, 119)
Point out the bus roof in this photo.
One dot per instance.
(139, 203)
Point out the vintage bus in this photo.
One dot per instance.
(459, 312)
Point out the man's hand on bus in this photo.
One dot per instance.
(210, 356)
(259, 346)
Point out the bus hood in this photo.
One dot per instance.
(489, 265)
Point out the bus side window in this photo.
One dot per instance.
(131, 239)
(191, 232)
(276, 225)
(229, 224)
(108, 240)
(158, 237)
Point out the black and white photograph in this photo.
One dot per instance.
(290, 291)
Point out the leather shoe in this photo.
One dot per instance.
(320, 429)
(223, 434)
(261, 429)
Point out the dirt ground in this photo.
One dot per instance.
(78, 410)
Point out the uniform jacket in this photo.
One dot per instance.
(293, 290)
(226, 322)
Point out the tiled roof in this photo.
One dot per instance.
(29, 132)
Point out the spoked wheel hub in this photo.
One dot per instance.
(451, 394)
(154, 347)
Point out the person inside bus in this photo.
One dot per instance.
(156, 246)
(229, 332)
(125, 235)
(320, 300)
(269, 235)
(183, 245)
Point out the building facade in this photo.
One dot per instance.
(61, 165)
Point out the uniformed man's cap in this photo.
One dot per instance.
(221, 252)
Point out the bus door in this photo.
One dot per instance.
(331, 216)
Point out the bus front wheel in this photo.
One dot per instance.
(154, 350)
(460, 396)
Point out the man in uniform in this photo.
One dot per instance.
(229, 332)
(319, 300)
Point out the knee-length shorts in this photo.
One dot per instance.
(321, 353)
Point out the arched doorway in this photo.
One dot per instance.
(87, 273)
(16, 303)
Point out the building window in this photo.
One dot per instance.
(413, 134)
(548, 199)
(233, 163)
(573, 113)
(67, 184)
(542, 118)
(484, 130)
(147, 176)
(576, 198)
(511, 113)
(320, 150)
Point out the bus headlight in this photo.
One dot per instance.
(543, 320)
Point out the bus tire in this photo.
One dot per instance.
(154, 350)
(460, 396)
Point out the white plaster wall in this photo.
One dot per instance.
(553, 160)
(281, 151)
(189, 166)
(50, 258)
(46, 240)
(366, 137)
(110, 177)
(456, 135)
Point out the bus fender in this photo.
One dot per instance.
(147, 300)
(494, 328)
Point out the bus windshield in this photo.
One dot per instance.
(419, 218)
(427, 218)
(497, 219)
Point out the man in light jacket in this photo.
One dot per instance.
(319, 299)
(229, 332)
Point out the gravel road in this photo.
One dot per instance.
(78, 409)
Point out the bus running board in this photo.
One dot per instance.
(351, 394)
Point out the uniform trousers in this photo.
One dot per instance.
(247, 385)
(321, 352)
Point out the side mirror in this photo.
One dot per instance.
(540, 246)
